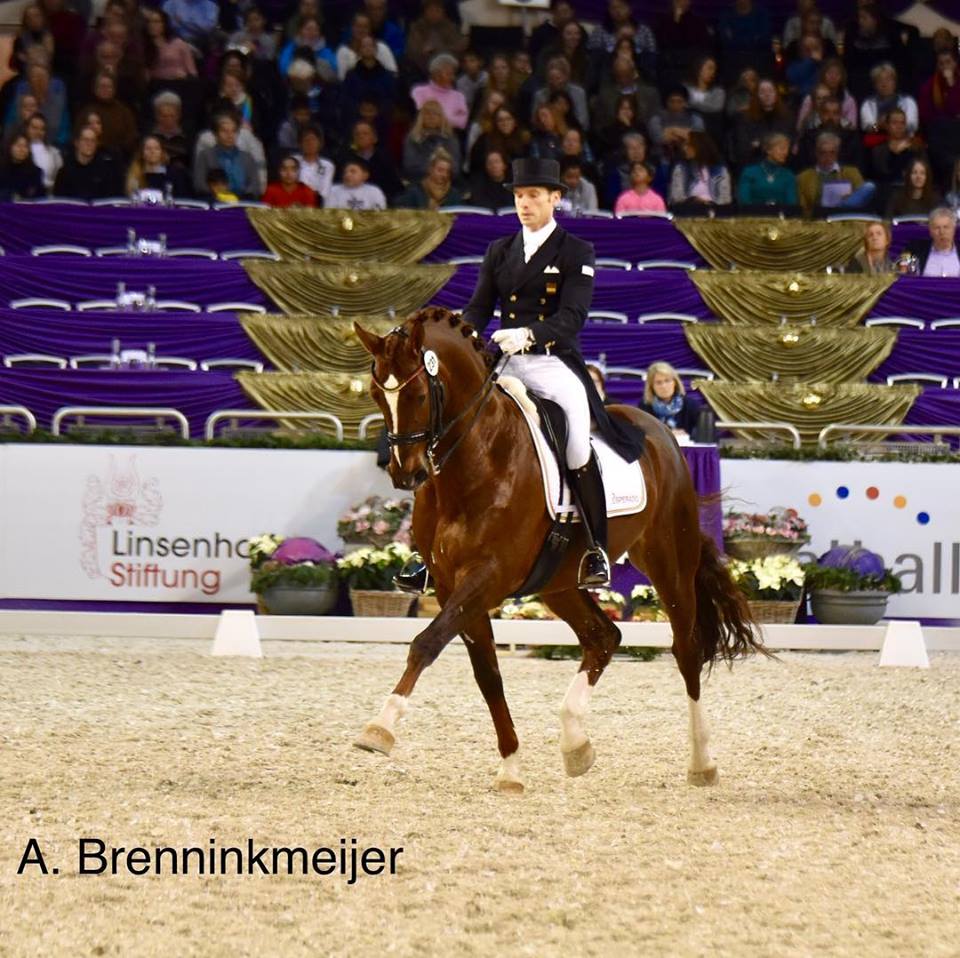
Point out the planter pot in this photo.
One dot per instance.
(760, 548)
(377, 602)
(774, 612)
(833, 607)
(299, 600)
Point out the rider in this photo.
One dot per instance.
(542, 278)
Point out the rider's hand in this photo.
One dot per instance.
(513, 340)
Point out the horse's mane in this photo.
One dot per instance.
(439, 314)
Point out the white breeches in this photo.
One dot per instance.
(550, 377)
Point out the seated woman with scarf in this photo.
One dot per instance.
(664, 396)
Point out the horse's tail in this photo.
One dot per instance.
(723, 627)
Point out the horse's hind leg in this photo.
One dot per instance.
(599, 638)
(483, 657)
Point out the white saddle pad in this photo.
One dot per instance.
(622, 481)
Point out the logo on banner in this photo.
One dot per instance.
(114, 500)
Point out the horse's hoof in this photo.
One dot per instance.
(579, 760)
(707, 776)
(508, 786)
(375, 738)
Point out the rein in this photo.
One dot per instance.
(437, 431)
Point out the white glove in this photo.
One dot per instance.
(513, 340)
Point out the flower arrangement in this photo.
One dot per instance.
(645, 604)
(749, 535)
(373, 569)
(377, 521)
(298, 565)
(849, 569)
(526, 607)
(777, 578)
(611, 603)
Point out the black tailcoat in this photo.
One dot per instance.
(551, 295)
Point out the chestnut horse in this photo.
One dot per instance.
(480, 521)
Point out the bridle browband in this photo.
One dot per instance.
(436, 431)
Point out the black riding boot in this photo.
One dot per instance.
(413, 577)
(586, 484)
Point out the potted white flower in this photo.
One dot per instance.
(773, 586)
(369, 574)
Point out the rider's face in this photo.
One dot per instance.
(535, 205)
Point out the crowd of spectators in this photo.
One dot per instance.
(299, 103)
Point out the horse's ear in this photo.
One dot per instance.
(371, 342)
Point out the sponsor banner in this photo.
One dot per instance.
(145, 524)
(907, 512)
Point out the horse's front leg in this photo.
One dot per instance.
(464, 604)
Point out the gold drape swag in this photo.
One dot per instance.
(354, 289)
(345, 395)
(331, 236)
(756, 299)
(314, 343)
(809, 406)
(793, 352)
(773, 244)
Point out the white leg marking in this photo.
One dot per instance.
(392, 712)
(510, 769)
(392, 399)
(700, 757)
(573, 711)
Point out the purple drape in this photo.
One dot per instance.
(23, 226)
(75, 279)
(920, 298)
(195, 394)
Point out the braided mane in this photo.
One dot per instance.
(440, 314)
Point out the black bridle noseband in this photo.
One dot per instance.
(436, 430)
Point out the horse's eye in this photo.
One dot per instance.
(421, 400)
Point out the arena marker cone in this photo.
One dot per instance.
(903, 644)
(237, 634)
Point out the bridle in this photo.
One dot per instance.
(436, 429)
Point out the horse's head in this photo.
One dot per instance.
(417, 368)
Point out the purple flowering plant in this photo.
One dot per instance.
(297, 562)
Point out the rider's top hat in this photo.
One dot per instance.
(529, 172)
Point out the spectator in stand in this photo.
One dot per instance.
(682, 37)
(573, 145)
(349, 53)
(431, 131)
(20, 177)
(287, 190)
(558, 81)
(167, 57)
(151, 177)
(572, 46)
(299, 118)
(167, 128)
(218, 188)
(87, 174)
(704, 94)
(793, 29)
(499, 78)
(68, 29)
(547, 34)
(383, 171)
(869, 40)
(193, 20)
(119, 124)
(617, 167)
(938, 255)
(623, 80)
(939, 104)
(886, 97)
(326, 104)
(255, 37)
(33, 32)
(304, 9)
(641, 197)
(436, 189)
(804, 69)
(314, 170)
(506, 137)
(829, 184)
(834, 77)
(50, 94)
(547, 140)
(245, 141)
(481, 122)
(370, 79)
(233, 89)
(769, 182)
(952, 199)
(581, 195)
(24, 108)
(874, 259)
(811, 25)
(702, 179)
(441, 89)
(487, 189)
(384, 28)
(745, 37)
(766, 115)
(309, 36)
(431, 33)
(665, 397)
(618, 23)
(47, 157)
(473, 78)
(889, 160)
(830, 120)
(917, 196)
(743, 93)
(609, 138)
(238, 165)
(671, 127)
(354, 192)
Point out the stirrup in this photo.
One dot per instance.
(413, 578)
(594, 571)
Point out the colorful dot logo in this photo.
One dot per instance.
(873, 494)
